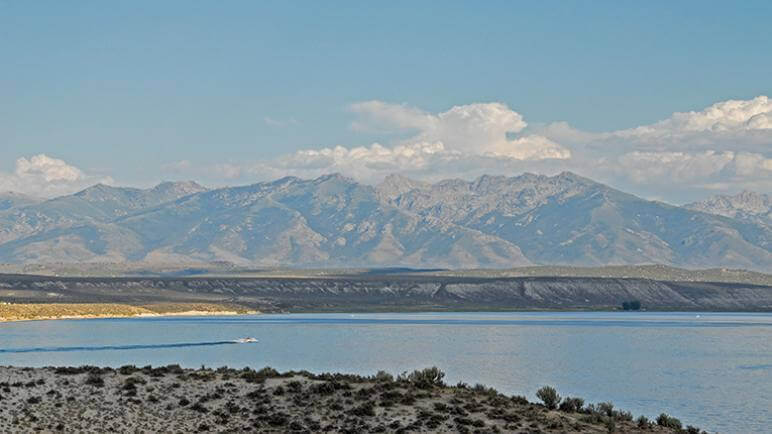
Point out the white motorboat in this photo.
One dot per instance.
(246, 341)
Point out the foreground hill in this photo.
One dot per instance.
(172, 399)
(333, 221)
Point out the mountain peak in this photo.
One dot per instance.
(746, 205)
(179, 188)
(100, 190)
(334, 177)
(571, 176)
(395, 185)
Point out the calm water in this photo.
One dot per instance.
(711, 370)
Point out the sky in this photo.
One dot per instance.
(667, 100)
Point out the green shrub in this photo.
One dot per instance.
(427, 378)
(572, 405)
(127, 369)
(95, 380)
(606, 408)
(668, 421)
(384, 377)
(295, 386)
(366, 409)
(611, 425)
(519, 399)
(549, 397)
(643, 422)
(631, 305)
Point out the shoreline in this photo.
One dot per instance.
(141, 315)
(173, 399)
(195, 313)
(18, 312)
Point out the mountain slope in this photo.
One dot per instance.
(333, 221)
(746, 206)
(97, 204)
(567, 219)
(11, 199)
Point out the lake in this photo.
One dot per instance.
(713, 370)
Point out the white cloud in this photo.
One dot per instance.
(44, 176)
(367, 163)
(736, 125)
(726, 146)
(47, 168)
(721, 117)
(474, 129)
(685, 167)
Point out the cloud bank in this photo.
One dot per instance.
(724, 147)
(44, 176)
(473, 129)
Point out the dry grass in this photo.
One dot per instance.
(39, 311)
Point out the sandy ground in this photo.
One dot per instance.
(51, 311)
(170, 399)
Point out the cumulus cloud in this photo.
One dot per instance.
(725, 116)
(475, 129)
(44, 176)
(659, 167)
(731, 125)
(726, 146)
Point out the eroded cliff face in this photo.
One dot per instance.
(395, 293)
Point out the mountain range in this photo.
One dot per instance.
(334, 221)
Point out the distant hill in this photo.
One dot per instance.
(333, 221)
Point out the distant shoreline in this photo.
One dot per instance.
(398, 292)
(17, 312)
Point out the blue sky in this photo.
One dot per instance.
(229, 92)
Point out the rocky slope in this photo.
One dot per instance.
(171, 399)
(333, 221)
(567, 219)
(10, 200)
(747, 206)
(47, 229)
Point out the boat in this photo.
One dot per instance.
(246, 341)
